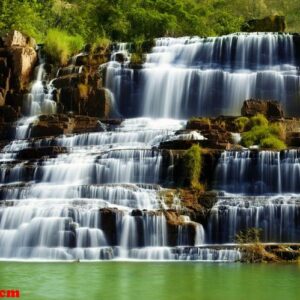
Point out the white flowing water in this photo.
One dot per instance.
(186, 77)
(276, 216)
(101, 200)
(39, 101)
(260, 172)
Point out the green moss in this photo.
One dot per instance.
(59, 45)
(272, 142)
(192, 165)
(241, 123)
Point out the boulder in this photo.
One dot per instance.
(8, 114)
(17, 39)
(70, 80)
(199, 124)
(99, 103)
(268, 24)
(69, 98)
(14, 99)
(44, 130)
(23, 61)
(174, 220)
(51, 125)
(269, 108)
(109, 224)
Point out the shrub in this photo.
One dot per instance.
(249, 235)
(241, 123)
(192, 164)
(257, 120)
(101, 43)
(137, 58)
(253, 251)
(255, 135)
(279, 130)
(261, 133)
(59, 45)
(272, 142)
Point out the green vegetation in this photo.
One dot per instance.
(60, 46)
(260, 132)
(192, 165)
(250, 235)
(139, 20)
(253, 251)
(241, 123)
(272, 142)
(258, 120)
(137, 58)
(202, 121)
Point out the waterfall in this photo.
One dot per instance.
(260, 172)
(39, 101)
(277, 217)
(40, 96)
(184, 77)
(100, 200)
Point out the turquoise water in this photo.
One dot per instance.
(137, 280)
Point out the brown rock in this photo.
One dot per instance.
(2, 97)
(48, 125)
(24, 60)
(269, 108)
(17, 39)
(109, 224)
(70, 98)
(70, 80)
(81, 59)
(99, 103)
(42, 130)
(174, 220)
(37, 153)
(8, 114)
(14, 99)
(199, 124)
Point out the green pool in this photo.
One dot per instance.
(136, 280)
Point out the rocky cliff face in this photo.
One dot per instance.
(18, 58)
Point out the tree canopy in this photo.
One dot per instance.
(131, 20)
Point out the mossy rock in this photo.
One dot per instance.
(268, 24)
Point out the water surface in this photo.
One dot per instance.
(147, 281)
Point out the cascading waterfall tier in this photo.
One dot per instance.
(258, 172)
(265, 195)
(276, 216)
(184, 77)
(101, 200)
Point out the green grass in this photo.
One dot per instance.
(241, 123)
(60, 46)
(192, 163)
